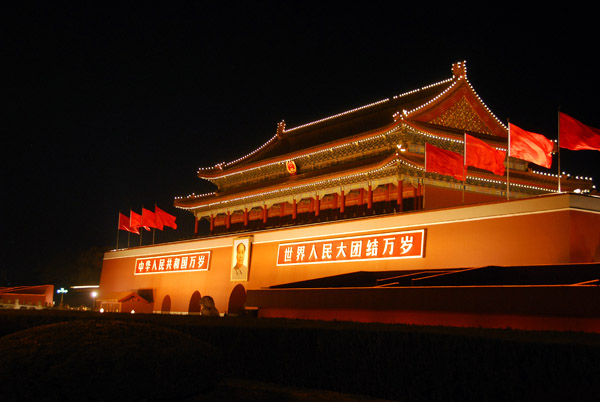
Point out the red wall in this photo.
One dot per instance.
(542, 230)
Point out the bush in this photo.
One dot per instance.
(105, 360)
(391, 361)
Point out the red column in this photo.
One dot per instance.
(335, 203)
(245, 216)
(212, 223)
(228, 220)
(400, 200)
(342, 202)
(420, 198)
(196, 225)
(317, 205)
(265, 214)
(370, 198)
(294, 210)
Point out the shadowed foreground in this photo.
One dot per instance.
(50, 355)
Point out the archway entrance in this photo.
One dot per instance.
(194, 307)
(237, 300)
(166, 305)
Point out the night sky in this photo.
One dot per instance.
(112, 106)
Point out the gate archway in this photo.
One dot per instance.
(165, 308)
(237, 300)
(194, 307)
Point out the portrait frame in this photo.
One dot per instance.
(240, 259)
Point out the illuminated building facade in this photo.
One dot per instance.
(339, 219)
(26, 297)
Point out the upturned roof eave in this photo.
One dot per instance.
(455, 133)
(396, 104)
(303, 152)
(460, 86)
(297, 182)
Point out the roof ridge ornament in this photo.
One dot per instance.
(400, 115)
(459, 70)
(280, 128)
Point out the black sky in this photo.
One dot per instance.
(112, 106)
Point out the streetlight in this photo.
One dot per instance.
(94, 294)
(62, 292)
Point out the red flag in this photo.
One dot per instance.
(530, 146)
(136, 221)
(576, 136)
(148, 219)
(444, 162)
(164, 219)
(124, 224)
(483, 156)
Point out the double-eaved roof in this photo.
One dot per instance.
(363, 139)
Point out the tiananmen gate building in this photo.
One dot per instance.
(341, 218)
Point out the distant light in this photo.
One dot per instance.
(132, 311)
(102, 309)
(62, 290)
(94, 294)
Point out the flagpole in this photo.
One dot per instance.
(464, 167)
(118, 222)
(423, 194)
(558, 146)
(424, 174)
(129, 236)
(154, 229)
(507, 164)
(142, 223)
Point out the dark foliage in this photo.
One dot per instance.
(105, 360)
(394, 362)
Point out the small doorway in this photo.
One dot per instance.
(237, 300)
(194, 307)
(166, 305)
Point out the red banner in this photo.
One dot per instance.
(398, 245)
(576, 136)
(483, 156)
(164, 219)
(198, 261)
(530, 146)
(135, 220)
(124, 224)
(444, 162)
(148, 219)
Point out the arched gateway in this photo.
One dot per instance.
(166, 305)
(237, 300)
(194, 307)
